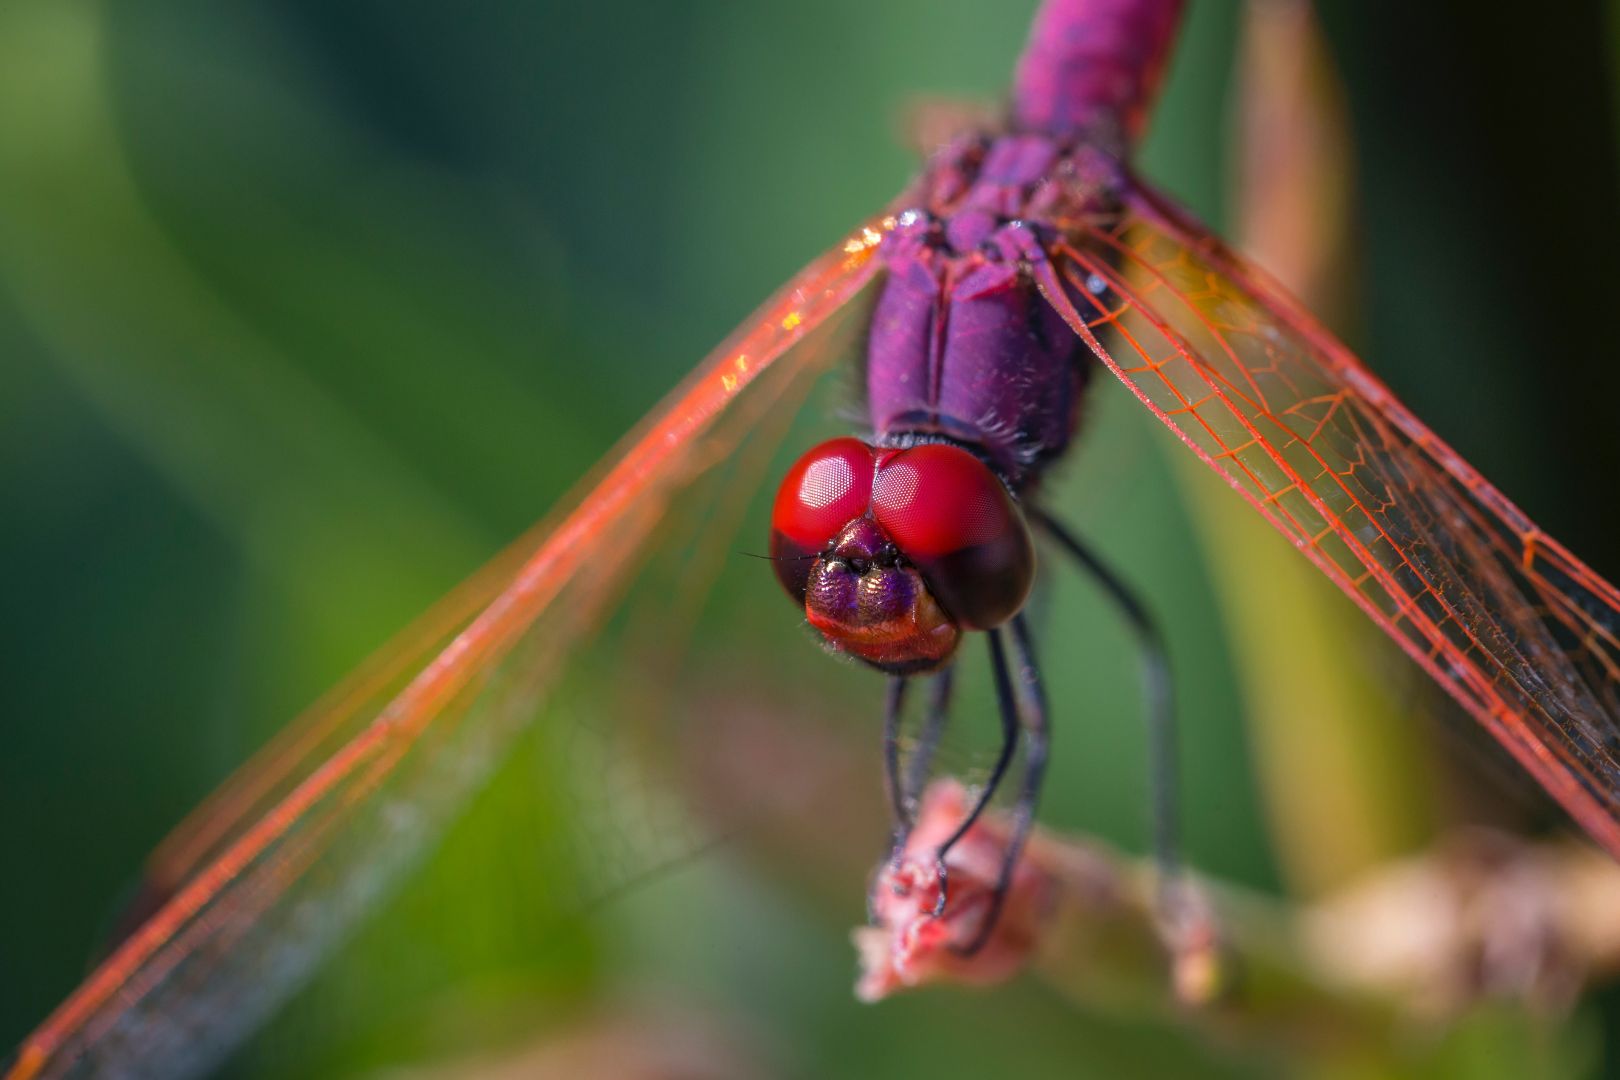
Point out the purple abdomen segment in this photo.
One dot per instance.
(1091, 67)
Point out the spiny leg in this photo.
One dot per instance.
(906, 789)
(899, 804)
(1032, 713)
(894, 706)
(916, 772)
(1158, 699)
(939, 709)
(1008, 707)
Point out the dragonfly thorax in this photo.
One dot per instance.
(962, 342)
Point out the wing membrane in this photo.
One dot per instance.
(251, 892)
(1516, 628)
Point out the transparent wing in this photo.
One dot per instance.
(1516, 628)
(250, 893)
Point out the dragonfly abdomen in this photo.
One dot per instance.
(1092, 66)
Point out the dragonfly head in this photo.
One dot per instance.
(893, 553)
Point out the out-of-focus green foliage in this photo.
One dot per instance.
(306, 308)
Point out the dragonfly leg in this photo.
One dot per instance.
(1158, 696)
(1007, 702)
(939, 708)
(1031, 707)
(905, 788)
(899, 798)
(899, 802)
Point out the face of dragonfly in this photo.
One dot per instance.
(894, 553)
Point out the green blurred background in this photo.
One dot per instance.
(306, 308)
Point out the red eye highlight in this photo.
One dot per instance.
(954, 520)
(824, 491)
(936, 499)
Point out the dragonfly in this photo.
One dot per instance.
(1026, 263)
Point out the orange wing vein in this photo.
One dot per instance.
(1511, 624)
(251, 891)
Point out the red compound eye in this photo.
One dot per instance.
(825, 490)
(954, 520)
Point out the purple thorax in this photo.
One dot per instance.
(962, 344)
